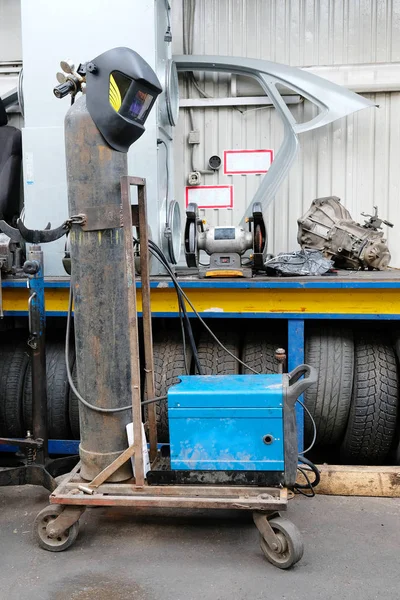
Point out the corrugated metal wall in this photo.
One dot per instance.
(356, 158)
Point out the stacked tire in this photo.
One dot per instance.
(14, 362)
(16, 388)
(355, 402)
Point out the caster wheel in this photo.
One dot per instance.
(64, 541)
(290, 548)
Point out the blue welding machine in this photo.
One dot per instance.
(237, 423)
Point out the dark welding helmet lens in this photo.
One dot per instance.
(128, 98)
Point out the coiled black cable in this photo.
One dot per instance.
(310, 485)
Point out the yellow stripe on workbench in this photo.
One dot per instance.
(236, 300)
(323, 301)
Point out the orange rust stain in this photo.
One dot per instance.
(96, 348)
(104, 153)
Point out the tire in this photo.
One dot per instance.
(259, 350)
(291, 544)
(331, 351)
(14, 360)
(73, 407)
(48, 514)
(213, 359)
(57, 391)
(27, 399)
(372, 421)
(169, 364)
(396, 454)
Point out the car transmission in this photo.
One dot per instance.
(328, 226)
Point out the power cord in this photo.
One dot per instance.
(160, 256)
(177, 285)
(310, 485)
(313, 424)
(69, 375)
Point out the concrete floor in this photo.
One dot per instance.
(352, 551)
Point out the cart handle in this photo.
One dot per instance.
(296, 385)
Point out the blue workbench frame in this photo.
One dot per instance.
(296, 321)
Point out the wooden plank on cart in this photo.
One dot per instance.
(141, 501)
(346, 480)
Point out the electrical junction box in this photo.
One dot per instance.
(228, 422)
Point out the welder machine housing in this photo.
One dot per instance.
(236, 428)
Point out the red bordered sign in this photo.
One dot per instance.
(210, 196)
(244, 162)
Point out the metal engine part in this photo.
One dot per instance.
(328, 226)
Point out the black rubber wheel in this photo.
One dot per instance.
(213, 359)
(372, 421)
(290, 544)
(64, 541)
(14, 360)
(259, 350)
(169, 364)
(73, 407)
(331, 351)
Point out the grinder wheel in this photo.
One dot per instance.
(191, 245)
(258, 240)
(192, 228)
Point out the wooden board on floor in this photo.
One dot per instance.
(346, 480)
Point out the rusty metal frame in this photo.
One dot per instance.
(71, 492)
(75, 491)
(126, 221)
(140, 221)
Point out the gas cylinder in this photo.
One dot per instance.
(100, 292)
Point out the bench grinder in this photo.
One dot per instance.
(225, 245)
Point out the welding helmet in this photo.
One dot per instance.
(121, 89)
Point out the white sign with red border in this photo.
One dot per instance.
(210, 196)
(243, 162)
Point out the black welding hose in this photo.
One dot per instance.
(160, 256)
(69, 376)
(314, 469)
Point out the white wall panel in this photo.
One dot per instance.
(356, 158)
(10, 31)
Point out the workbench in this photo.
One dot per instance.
(347, 295)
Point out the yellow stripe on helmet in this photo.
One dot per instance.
(114, 95)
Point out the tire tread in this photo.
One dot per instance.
(373, 414)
